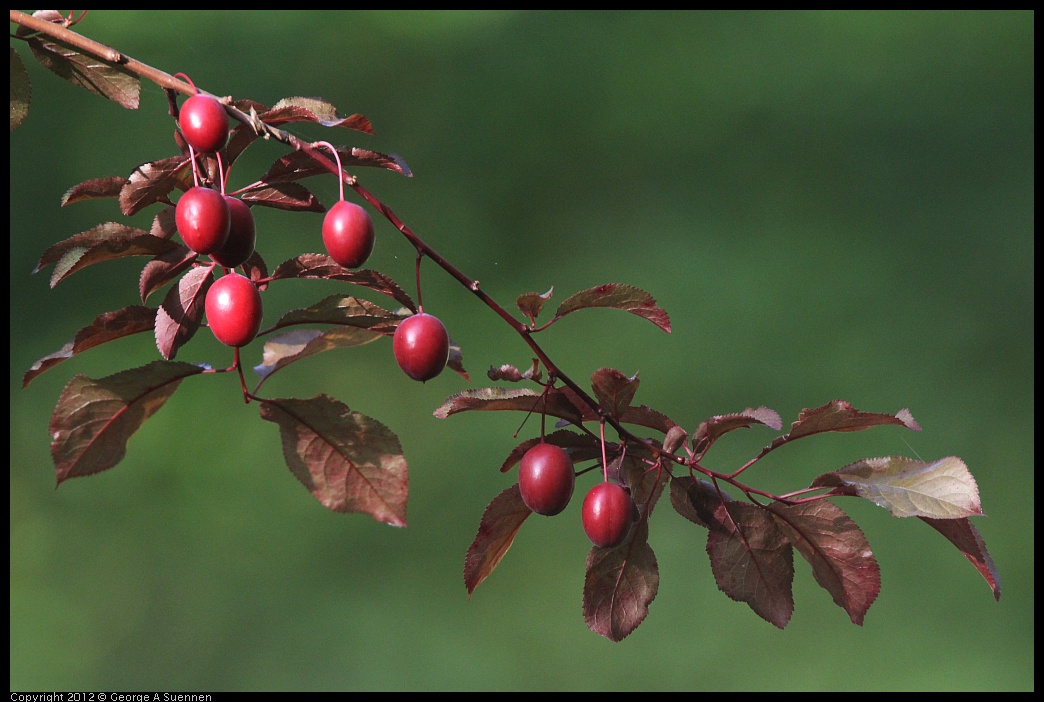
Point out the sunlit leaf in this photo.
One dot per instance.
(348, 461)
(342, 310)
(106, 242)
(163, 269)
(497, 399)
(942, 489)
(152, 183)
(179, 316)
(841, 416)
(963, 534)
(297, 165)
(105, 327)
(322, 266)
(618, 296)
(94, 419)
(620, 584)
(532, 303)
(280, 351)
(712, 429)
(293, 197)
(94, 189)
(501, 520)
(308, 109)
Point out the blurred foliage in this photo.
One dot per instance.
(829, 205)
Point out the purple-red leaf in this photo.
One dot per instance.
(297, 165)
(500, 522)
(307, 109)
(153, 182)
(618, 296)
(496, 399)
(178, 318)
(963, 534)
(285, 196)
(580, 447)
(322, 266)
(943, 489)
(94, 189)
(837, 550)
(105, 327)
(348, 461)
(342, 310)
(839, 415)
(94, 419)
(163, 269)
(532, 303)
(714, 428)
(752, 560)
(280, 351)
(110, 80)
(105, 242)
(620, 584)
(696, 500)
(21, 90)
(614, 390)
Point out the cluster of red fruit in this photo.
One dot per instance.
(212, 223)
(546, 479)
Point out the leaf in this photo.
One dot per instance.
(94, 189)
(105, 328)
(292, 197)
(305, 109)
(178, 318)
(104, 78)
(498, 399)
(500, 522)
(841, 416)
(963, 534)
(580, 447)
(163, 269)
(348, 461)
(622, 297)
(696, 500)
(614, 390)
(106, 242)
(839, 554)
(714, 428)
(21, 90)
(532, 303)
(943, 489)
(675, 438)
(153, 182)
(94, 419)
(322, 266)
(342, 310)
(647, 417)
(752, 560)
(298, 165)
(282, 350)
(620, 584)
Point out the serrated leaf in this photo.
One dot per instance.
(179, 316)
(500, 522)
(298, 165)
(620, 584)
(307, 109)
(498, 399)
(942, 489)
(532, 303)
(963, 534)
(164, 224)
(840, 556)
(106, 242)
(614, 390)
(105, 327)
(94, 419)
(618, 296)
(342, 310)
(714, 428)
(280, 351)
(21, 90)
(752, 560)
(348, 461)
(313, 265)
(696, 499)
(580, 447)
(292, 197)
(153, 182)
(839, 415)
(94, 189)
(93, 74)
(163, 269)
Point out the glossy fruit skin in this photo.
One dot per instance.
(233, 308)
(607, 514)
(348, 234)
(546, 479)
(242, 235)
(421, 346)
(204, 123)
(203, 219)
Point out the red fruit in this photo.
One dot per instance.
(607, 514)
(233, 308)
(204, 123)
(546, 479)
(203, 219)
(242, 235)
(421, 346)
(348, 234)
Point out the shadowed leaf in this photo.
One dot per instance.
(501, 520)
(293, 197)
(163, 269)
(614, 390)
(841, 416)
(620, 584)
(153, 182)
(94, 419)
(348, 461)
(322, 266)
(280, 351)
(181, 312)
(106, 242)
(105, 327)
(497, 399)
(580, 447)
(21, 90)
(943, 489)
(94, 189)
(714, 428)
(298, 165)
(837, 550)
(532, 303)
(696, 500)
(618, 296)
(963, 534)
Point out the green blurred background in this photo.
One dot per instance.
(829, 205)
